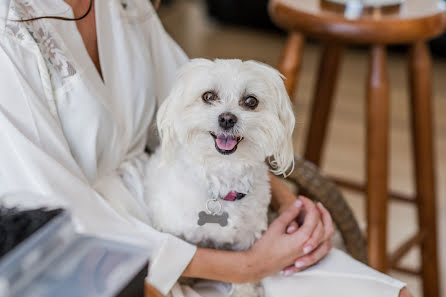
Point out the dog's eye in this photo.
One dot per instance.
(209, 97)
(251, 102)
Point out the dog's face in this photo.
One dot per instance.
(228, 110)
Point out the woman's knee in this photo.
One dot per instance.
(405, 293)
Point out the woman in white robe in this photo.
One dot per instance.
(75, 135)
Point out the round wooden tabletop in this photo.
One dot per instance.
(408, 22)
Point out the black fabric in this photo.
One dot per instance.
(17, 225)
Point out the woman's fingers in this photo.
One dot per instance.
(312, 219)
(307, 261)
(292, 227)
(314, 257)
(326, 221)
(316, 239)
(323, 232)
(288, 216)
(318, 229)
(289, 270)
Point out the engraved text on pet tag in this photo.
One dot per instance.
(213, 214)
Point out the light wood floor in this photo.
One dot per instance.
(200, 37)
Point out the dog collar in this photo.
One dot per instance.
(233, 196)
(214, 214)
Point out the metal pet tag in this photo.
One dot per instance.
(213, 214)
(205, 218)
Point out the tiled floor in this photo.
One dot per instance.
(201, 37)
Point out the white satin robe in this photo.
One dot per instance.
(69, 138)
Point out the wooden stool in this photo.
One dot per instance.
(412, 23)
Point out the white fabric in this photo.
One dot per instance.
(73, 140)
(337, 275)
(76, 140)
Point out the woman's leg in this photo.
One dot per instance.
(337, 275)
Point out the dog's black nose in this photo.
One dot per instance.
(227, 120)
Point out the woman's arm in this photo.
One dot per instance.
(284, 246)
(38, 168)
(271, 253)
(222, 265)
(281, 196)
(274, 251)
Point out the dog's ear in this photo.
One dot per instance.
(282, 157)
(165, 120)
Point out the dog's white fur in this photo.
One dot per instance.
(187, 170)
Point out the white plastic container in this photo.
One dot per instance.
(55, 261)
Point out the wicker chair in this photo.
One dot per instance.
(310, 183)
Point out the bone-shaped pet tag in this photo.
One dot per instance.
(221, 219)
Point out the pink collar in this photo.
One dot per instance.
(233, 196)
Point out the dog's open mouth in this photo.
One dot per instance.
(226, 144)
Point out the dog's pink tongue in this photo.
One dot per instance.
(226, 143)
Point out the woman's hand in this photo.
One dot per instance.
(275, 250)
(283, 247)
(278, 249)
(320, 242)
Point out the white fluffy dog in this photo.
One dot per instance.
(208, 183)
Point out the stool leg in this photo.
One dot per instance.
(322, 101)
(291, 60)
(421, 110)
(377, 157)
